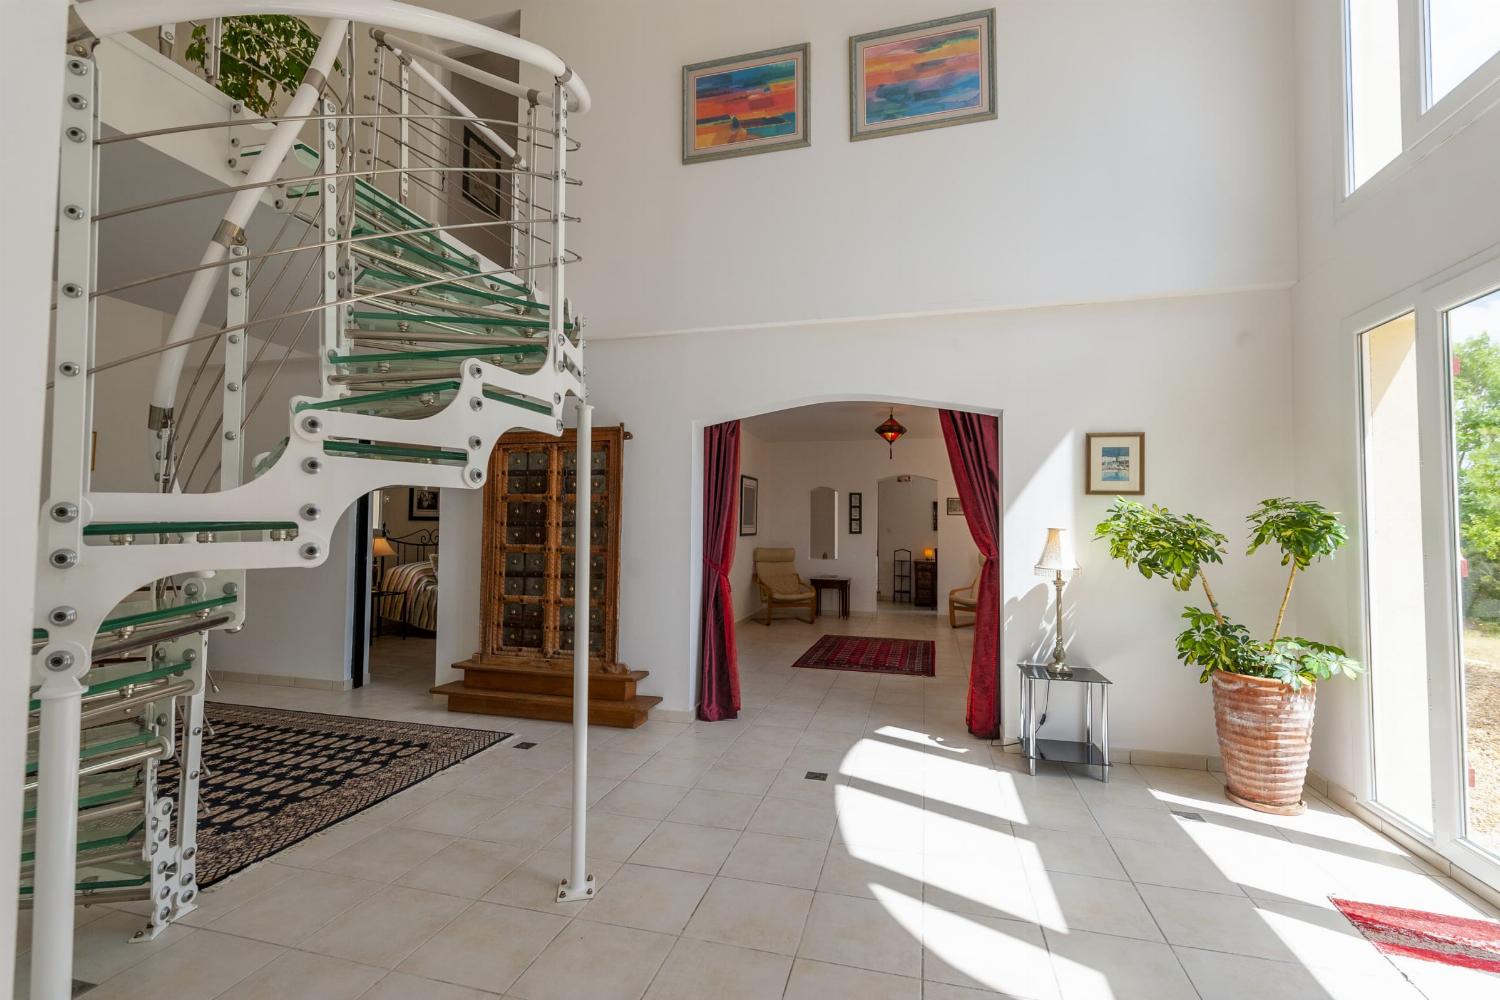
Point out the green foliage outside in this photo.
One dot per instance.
(1476, 431)
(1177, 547)
(260, 57)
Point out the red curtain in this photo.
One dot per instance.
(718, 667)
(973, 441)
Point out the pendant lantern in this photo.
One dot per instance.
(891, 430)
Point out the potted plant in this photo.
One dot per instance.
(1264, 689)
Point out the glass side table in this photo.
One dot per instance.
(1066, 751)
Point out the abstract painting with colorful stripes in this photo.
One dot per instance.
(745, 104)
(922, 75)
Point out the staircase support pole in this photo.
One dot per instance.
(579, 883)
(56, 839)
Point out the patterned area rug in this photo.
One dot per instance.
(912, 657)
(1436, 937)
(275, 777)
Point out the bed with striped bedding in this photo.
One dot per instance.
(415, 597)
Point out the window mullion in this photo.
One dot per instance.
(1412, 16)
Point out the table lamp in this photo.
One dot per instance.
(381, 548)
(1057, 561)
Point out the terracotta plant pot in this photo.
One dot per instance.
(1265, 736)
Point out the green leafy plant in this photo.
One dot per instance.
(260, 55)
(1179, 546)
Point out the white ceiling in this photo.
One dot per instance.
(841, 422)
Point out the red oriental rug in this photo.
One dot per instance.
(1436, 937)
(910, 657)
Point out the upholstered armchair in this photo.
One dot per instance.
(780, 586)
(964, 600)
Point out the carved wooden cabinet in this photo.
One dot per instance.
(924, 580)
(529, 550)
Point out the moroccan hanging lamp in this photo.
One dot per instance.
(891, 431)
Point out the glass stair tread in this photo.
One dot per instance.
(95, 875)
(396, 451)
(416, 399)
(181, 527)
(458, 294)
(270, 458)
(97, 835)
(372, 320)
(118, 676)
(100, 789)
(166, 614)
(301, 151)
(369, 255)
(442, 361)
(401, 245)
(370, 220)
(100, 741)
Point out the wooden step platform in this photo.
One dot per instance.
(535, 692)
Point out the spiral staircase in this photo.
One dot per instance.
(427, 351)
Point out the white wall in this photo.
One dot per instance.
(1438, 213)
(1216, 446)
(1141, 149)
(903, 518)
(1142, 153)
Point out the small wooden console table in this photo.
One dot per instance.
(837, 583)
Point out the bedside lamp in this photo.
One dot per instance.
(381, 548)
(1057, 561)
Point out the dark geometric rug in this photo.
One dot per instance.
(275, 777)
(912, 657)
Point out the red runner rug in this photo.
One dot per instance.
(911, 657)
(1436, 937)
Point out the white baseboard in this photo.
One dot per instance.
(282, 680)
(673, 715)
(1347, 800)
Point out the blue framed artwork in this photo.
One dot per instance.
(921, 76)
(754, 103)
(1115, 463)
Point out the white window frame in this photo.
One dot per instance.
(1424, 128)
(1430, 301)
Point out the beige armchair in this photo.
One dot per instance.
(964, 600)
(780, 586)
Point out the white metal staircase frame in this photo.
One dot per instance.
(284, 517)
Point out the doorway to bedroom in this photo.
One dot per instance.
(401, 624)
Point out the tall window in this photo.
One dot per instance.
(1462, 35)
(1474, 346)
(1394, 561)
(1374, 87)
(1410, 66)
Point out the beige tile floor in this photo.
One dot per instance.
(928, 865)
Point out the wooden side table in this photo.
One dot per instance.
(1084, 752)
(836, 583)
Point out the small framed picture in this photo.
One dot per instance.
(955, 507)
(856, 513)
(921, 76)
(482, 188)
(749, 505)
(422, 504)
(1115, 464)
(754, 103)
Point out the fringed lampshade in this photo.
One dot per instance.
(891, 430)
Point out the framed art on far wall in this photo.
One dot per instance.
(921, 76)
(754, 103)
(422, 504)
(1115, 463)
(955, 506)
(749, 505)
(856, 513)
